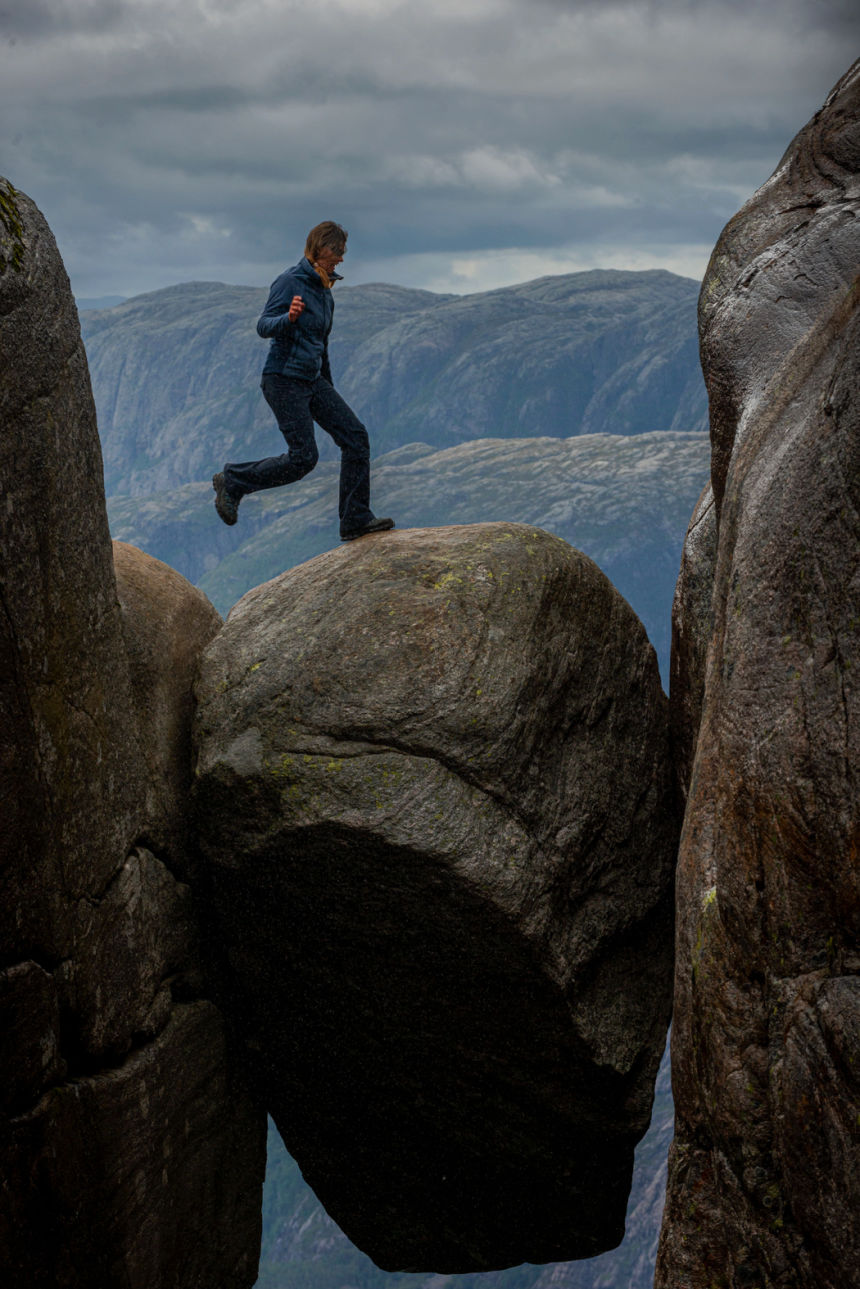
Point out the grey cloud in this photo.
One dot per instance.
(206, 148)
(824, 13)
(35, 19)
(198, 98)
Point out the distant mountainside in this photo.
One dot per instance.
(176, 372)
(98, 301)
(624, 500)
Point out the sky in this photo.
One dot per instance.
(464, 144)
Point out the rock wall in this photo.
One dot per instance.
(764, 1181)
(130, 1153)
(434, 792)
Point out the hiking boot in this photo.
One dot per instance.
(226, 505)
(375, 526)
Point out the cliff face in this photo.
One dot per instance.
(434, 792)
(764, 1182)
(119, 1093)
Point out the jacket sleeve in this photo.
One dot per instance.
(274, 321)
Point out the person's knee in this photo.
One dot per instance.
(358, 447)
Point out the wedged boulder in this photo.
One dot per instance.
(764, 1176)
(104, 1012)
(434, 795)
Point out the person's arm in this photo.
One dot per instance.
(283, 310)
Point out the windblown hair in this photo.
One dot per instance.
(329, 236)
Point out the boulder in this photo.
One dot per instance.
(784, 261)
(68, 745)
(166, 623)
(435, 801)
(764, 1176)
(131, 1153)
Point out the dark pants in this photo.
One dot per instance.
(297, 404)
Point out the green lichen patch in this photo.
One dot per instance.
(709, 910)
(446, 579)
(12, 233)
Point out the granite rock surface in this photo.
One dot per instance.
(434, 794)
(121, 1097)
(692, 629)
(166, 623)
(764, 1176)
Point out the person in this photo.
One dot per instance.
(297, 385)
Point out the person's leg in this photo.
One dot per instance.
(338, 419)
(290, 401)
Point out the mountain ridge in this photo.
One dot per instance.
(624, 500)
(176, 372)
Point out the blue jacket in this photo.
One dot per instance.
(300, 348)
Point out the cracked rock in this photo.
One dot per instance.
(435, 799)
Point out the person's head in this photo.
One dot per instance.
(326, 244)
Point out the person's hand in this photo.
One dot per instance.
(296, 306)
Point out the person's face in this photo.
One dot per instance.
(329, 259)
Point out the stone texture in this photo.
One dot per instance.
(29, 1034)
(133, 1177)
(764, 1179)
(435, 797)
(68, 745)
(301, 1240)
(692, 628)
(785, 259)
(102, 974)
(165, 623)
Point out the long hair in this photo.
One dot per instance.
(329, 236)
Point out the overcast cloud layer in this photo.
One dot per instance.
(467, 145)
